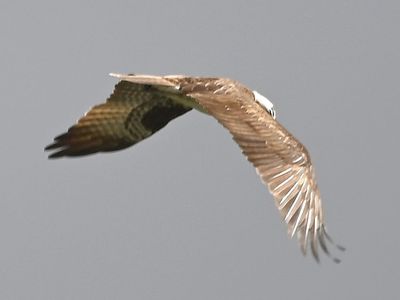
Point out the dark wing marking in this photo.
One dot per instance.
(282, 162)
(132, 113)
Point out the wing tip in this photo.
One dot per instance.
(316, 241)
(119, 75)
(322, 234)
(55, 155)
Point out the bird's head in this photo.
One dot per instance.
(264, 102)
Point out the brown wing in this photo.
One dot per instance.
(132, 113)
(282, 162)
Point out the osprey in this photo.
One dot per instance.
(143, 104)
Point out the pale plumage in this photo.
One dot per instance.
(143, 104)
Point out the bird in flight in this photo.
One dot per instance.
(143, 104)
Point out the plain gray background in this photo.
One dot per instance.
(183, 215)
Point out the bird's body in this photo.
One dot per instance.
(143, 104)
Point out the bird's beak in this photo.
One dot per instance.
(272, 111)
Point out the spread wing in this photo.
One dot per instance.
(282, 162)
(132, 113)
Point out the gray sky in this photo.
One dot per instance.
(182, 215)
